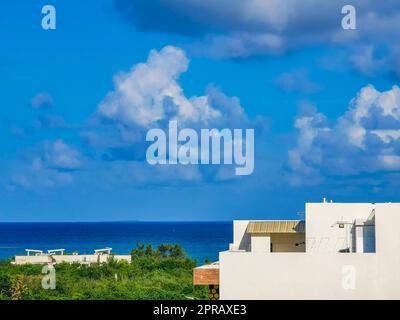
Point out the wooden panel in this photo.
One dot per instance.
(205, 276)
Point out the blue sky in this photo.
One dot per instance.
(324, 102)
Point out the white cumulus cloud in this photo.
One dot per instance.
(149, 93)
(366, 139)
(148, 96)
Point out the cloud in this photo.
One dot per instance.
(297, 81)
(239, 45)
(48, 165)
(42, 100)
(48, 121)
(253, 16)
(366, 61)
(295, 23)
(138, 173)
(149, 95)
(366, 139)
(60, 156)
(244, 28)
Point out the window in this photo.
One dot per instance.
(369, 238)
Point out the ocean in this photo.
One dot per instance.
(200, 240)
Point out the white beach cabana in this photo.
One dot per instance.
(103, 251)
(35, 252)
(55, 251)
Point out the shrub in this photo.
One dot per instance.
(164, 272)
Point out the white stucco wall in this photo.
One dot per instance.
(241, 240)
(261, 243)
(245, 275)
(323, 273)
(321, 236)
(280, 241)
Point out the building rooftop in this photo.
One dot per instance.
(276, 226)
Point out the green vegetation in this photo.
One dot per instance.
(164, 272)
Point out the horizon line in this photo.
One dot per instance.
(123, 221)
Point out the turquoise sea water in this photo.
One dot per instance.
(201, 240)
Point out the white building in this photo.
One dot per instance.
(340, 251)
(58, 256)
